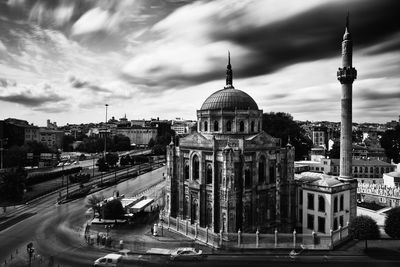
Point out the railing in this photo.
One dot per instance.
(255, 240)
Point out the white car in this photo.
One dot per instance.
(112, 260)
(186, 254)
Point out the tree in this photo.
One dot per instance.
(151, 143)
(363, 228)
(113, 210)
(392, 223)
(120, 143)
(282, 125)
(15, 156)
(67, 143)
(13, 186)
(94, 203)
(390, 141)
(112, 159)
(102, 164)
(334, 153)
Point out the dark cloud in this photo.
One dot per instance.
(31, 101)
(78, 83)
(315, 34)
(379, 95)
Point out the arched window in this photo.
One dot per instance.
(241, 126)
(247, 178)
(335, 204)
(216, 126)
(205, 126)
(341, 204)
(228, 126)
(186, 172)
(209, 174)
(209, 215)
(272, 173)
(252, 126)
(195, 167)
(261, 170)
(321, 204)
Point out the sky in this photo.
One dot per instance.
(64, 60)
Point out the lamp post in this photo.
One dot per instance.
(2, 141)
(30, 250)
(105, 135)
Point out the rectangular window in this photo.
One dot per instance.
(310, 201)
(341, 220)
(310, 221)
(321, 224)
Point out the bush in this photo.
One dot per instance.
(363, 228)
(392, 223)
(113, 210)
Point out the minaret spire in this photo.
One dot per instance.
(229, 74)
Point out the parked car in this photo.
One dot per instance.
(112, 260)
(186, 254)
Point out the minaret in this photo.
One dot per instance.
(346, 75)
(229, 75)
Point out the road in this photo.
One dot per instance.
(54, 228)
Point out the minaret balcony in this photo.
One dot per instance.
(346, 75)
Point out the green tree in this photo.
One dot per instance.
(282, 125)
(112, 159)
(392, 223)
(363, 228)
(13, 186)
(390, 141)
(113, 210)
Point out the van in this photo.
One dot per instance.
(109, 260)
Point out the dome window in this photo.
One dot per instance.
(205, 126)
(229, 126)
(252, 126)
(216, 126)
(241, 126)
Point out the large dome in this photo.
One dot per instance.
(229, 99)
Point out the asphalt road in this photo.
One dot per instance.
(55, 229)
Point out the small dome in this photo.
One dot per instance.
(229, 99)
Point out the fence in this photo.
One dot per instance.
(255, 240)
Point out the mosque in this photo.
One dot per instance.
(231, 175)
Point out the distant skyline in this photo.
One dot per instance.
(63, 60)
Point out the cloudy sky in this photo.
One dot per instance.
(63, 60)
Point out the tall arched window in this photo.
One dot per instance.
(335, 204)
(216, 126)
(195, 167)
(341, 203)
(228, 126)
(321, 204)
(241, 126)
(272, 172)
(186, 172)
(261, 170)
(252, 126)
(209, 174)
(247, 178)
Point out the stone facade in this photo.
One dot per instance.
(230, 175)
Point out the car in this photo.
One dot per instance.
(186, 254)
(112, 260)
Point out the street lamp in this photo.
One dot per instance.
(30, 250)
(105, 135)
